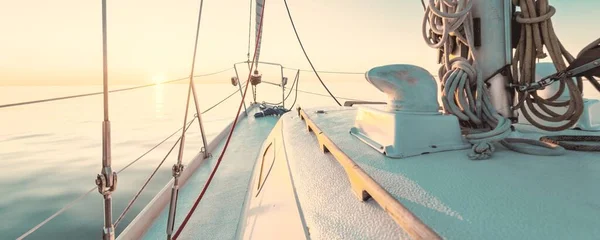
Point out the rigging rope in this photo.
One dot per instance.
(306, 55)
(423, 4)
(538, 32)
(111, 91)
(563, 140)
(212, 174)
(464, 92)
(135, 196)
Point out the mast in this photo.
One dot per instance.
(107, 179)
(258, 33)
(493, 46)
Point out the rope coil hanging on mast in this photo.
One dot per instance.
(463, 87)
(464, 91)
(537, 32)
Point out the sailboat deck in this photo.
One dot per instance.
(510, 196)
(218, 215)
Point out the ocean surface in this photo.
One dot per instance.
(50, 153)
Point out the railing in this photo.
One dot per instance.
(293, 88)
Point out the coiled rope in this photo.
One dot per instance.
(563, 140)
(464, 92)
(463, 88)
(537, 32)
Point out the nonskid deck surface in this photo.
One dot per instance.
(329, 208)
(510, 196)
(217, 216)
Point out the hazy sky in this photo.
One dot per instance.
(59, 42)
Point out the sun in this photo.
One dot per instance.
(158, 79)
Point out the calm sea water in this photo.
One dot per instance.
(51, 152)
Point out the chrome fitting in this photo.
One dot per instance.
(107, 183)
(177, 169)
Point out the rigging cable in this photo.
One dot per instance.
(177, 168)
(212, 174)
(314, 93)
(111, 91)
(135, 197)
(289, 93)
(306, 55)
(72, 203)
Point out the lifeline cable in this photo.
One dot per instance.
(537, 32)
(111, 91)
(135, 196)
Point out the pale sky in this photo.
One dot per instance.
(59, 42)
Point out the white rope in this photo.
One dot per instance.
(464, 93)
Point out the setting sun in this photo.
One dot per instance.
(158, 79)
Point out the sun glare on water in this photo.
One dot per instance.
(158, 79)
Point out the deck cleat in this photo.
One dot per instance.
(410, 124)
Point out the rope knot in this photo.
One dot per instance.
(482, 150)
(540, 54)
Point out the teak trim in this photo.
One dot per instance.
(364, 187)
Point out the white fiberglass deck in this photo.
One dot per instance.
(510, 196)
(218, 215)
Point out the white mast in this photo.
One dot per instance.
(495, 50)
(258, 35)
